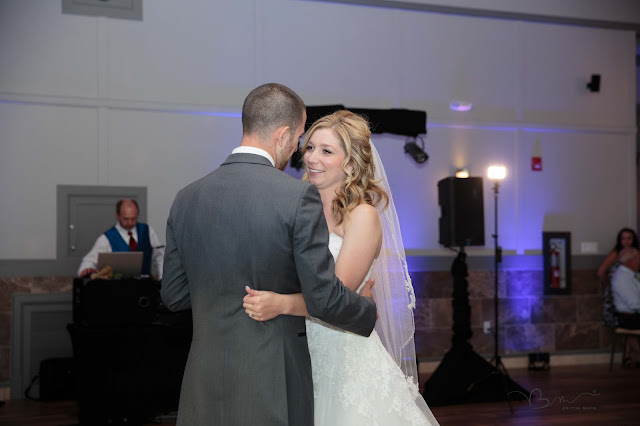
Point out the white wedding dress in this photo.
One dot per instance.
(355, 381)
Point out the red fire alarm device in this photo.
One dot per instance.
(536, 164)
(536, 157)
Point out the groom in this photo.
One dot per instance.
(248, 223)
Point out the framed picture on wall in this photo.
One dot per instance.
(556, 254)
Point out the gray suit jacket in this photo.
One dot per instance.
(248, 223)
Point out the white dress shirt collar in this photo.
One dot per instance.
(125, 233)
(253, 150)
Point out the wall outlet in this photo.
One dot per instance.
(487, 327)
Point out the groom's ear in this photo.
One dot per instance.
(282, 135)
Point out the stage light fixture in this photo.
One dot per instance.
(496, 173)
(462, 173)
(416, 151)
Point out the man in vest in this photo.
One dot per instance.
(127, 235)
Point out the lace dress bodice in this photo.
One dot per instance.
(355, 380)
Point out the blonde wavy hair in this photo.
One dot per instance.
(360, 185)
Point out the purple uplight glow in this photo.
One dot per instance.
(460, 106)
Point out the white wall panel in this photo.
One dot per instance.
(165, 152)
(40, 147)
(586, 187)
(44, 52)
(330, 53)
(452, 58)
(200, 52)
(559, 61)
(138, 77)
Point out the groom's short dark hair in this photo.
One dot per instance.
(270, 106)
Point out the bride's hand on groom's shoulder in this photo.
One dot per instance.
(261, 305)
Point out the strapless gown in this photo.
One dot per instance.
(355, 380)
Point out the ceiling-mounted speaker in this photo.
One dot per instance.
(594, 84)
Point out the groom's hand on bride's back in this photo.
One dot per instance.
(366, 288)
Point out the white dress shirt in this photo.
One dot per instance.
(102, 245)
(253, 150)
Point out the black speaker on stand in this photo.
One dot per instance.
(462, 212)
(462, 374)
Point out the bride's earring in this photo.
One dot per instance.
(349, 173)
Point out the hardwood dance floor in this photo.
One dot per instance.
(576, 395)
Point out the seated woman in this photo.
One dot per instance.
(627, 237)
(625, 289)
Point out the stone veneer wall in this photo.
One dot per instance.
(529, 321)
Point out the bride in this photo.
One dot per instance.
(357, 380)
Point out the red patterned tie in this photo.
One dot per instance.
(132, 243)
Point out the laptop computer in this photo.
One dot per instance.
(123, 263)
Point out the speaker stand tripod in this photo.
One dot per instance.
(463, 376)
(459, 379)
(498, 377)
